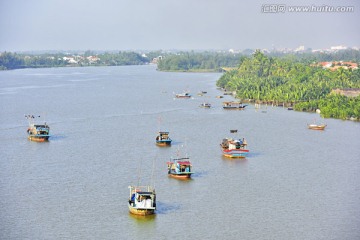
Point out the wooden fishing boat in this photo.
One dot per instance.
(179, 167)
(183, 95)
(317, 126)
(163, 139)
(233, 105)
(205, 105)
(37, 132)
(234, 148)
(142, 200)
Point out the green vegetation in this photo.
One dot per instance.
(334, 106)
(14, 61)
(281, 80)
(10, 61)
(198, 62)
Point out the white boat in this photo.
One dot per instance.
(183, 95)
(142, 200)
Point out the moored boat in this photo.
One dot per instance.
(37, 132)
(163, 139)
(205, 105)
(317, 126)
(142, 200)
(234, 148)
(183, 95)
(232, 105)
(179, 167)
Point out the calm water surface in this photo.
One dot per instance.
(295, 184)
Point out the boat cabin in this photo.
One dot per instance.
(162, 136)
(229, 143)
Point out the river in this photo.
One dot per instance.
(296, 183)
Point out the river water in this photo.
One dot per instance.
(295, 184)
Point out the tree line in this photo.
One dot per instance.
(10, 60)
(268, 79)
(204, 61)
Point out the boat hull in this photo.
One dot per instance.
(183, 96)
(141, 211)
(180, 176)
(163, 143)
(234, 108)
(317, 127)
(38, 138)
(235, 153)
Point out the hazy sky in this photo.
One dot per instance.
(173, 24)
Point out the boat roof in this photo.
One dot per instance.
(163, 132)
(145, 193)
(41, 125)
(187, 163)
(141, 188)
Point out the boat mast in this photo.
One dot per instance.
(152, 182)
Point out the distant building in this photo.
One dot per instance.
(155, 60)
(93, 59)
(70, 60)
(300, 49)
(335, 48)
(336, 65)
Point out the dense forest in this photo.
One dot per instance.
(191, 61)
(216, 61)
(281, 80)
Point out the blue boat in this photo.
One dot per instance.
(163, 139)
(180, 167)
(37, 132)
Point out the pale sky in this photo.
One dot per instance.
(27, 25)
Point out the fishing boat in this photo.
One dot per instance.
(205, 105)
(314, 126)
(142, 200)
(233, 130)
(179, 167)
(232, 105)
(183, 95)
(234, 148)
(163, 139)
(37, 132)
